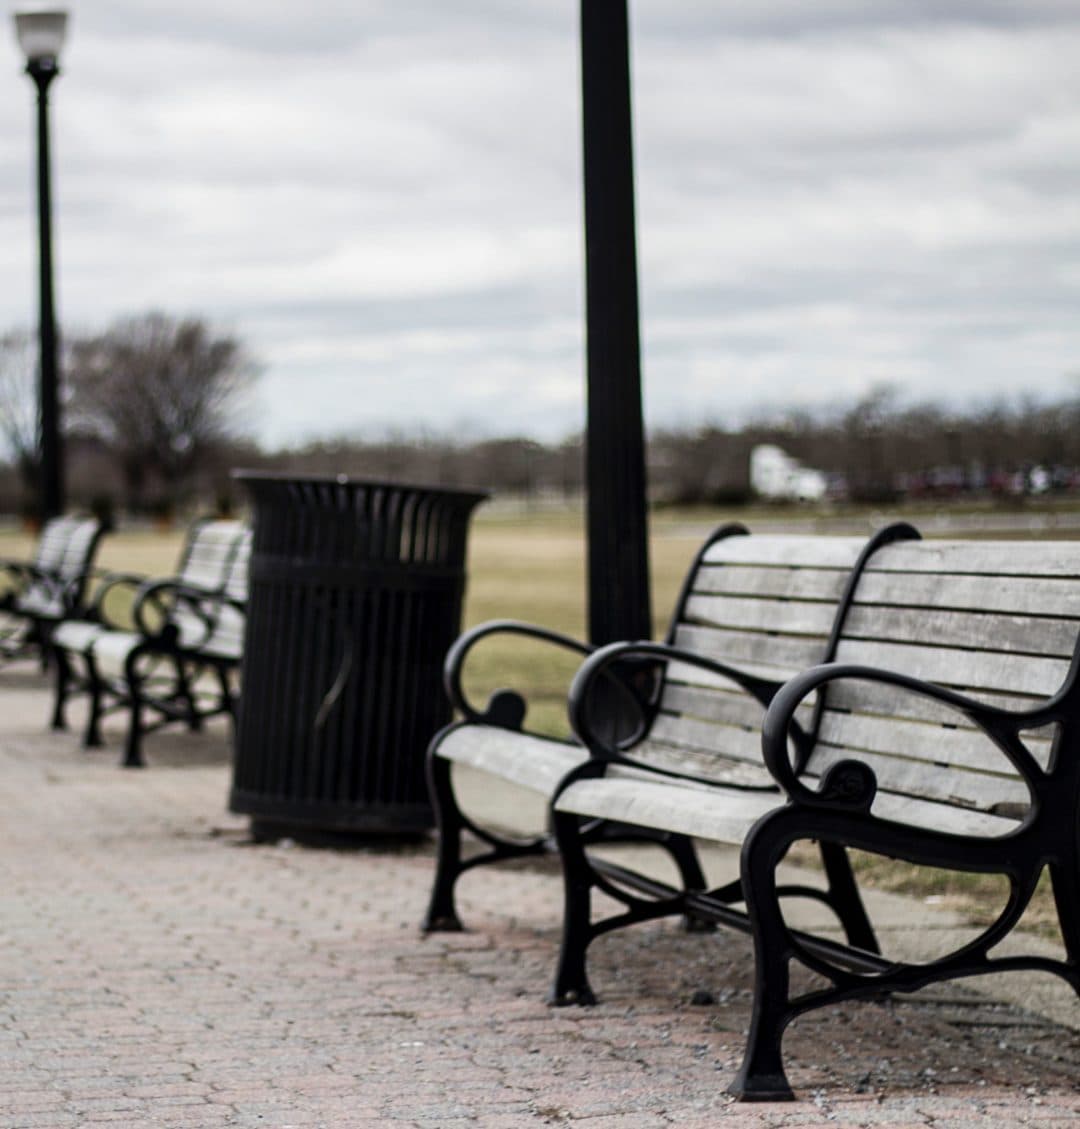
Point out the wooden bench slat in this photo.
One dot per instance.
(689, 675)
(803, 551)
(980, 558)
(918, 741)
(720, 742)
(935, 816)
(1058, 597)
(788, 617)
(705, 812)
(786, 583)
(969, 670)
(976, 790)
(887, 700)
(745, 771)
(741, 647)
(718, 704)
(980, 631)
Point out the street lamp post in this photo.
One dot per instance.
(619, 605)
(41, 35)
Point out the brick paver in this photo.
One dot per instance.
(159, 969)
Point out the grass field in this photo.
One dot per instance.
(532, 567)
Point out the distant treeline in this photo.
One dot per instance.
(875, 451)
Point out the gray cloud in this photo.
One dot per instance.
(384, 199)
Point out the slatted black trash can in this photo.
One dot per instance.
(356, 593)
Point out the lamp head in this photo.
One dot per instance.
(41, 32)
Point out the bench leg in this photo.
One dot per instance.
(228, 698)
(844, 897)
(761, 1076)
(1066, 886)
(96, 689)
(684, 853)
(133, 757)
(62, 682)
(571, 985)
(187, 695)
(441, 914)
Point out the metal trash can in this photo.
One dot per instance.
(355, 595)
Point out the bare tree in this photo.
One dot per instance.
(163, 392)
(19, 404)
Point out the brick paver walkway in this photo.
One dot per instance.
(156, 968)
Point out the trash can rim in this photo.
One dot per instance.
(243, 475)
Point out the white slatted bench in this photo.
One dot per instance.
(946, 733)
(169, 648)
(37, 594)
(766, 603)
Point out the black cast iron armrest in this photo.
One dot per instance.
(505, 707)
(22, 574)
(157, 603)
(852, 784)
(108, 584)
(598, 666)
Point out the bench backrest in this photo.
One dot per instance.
(996, 621)
(64, 553)
(209, 553)
(215, 559)
(227, 637)
(765, 604)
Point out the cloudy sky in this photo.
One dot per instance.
(383, 199)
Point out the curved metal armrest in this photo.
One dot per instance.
(598, 664)
(455, 662)
(107, 584)
(156, 604)
(74, 589)
(28, 579)
(22, 573)
(850, 783)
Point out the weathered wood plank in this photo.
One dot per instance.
(942, 817)
(740, 647)
(1021, 595)
(787, 617)
(705, 812)
(532, 762)
(959, 669)
(889, 702)
(695, 762)
(720, 741)
(719, 705)
(984, 558)
(977, 630)
(977, 790)
(913, 740)
(803, 551)
(785, 583)
(690, 675)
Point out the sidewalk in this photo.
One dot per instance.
(158, 969)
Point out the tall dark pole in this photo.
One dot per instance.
(618, 564)
(43, 71)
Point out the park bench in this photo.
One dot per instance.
(36, 594)
(946, 733)
(769, 602)
(161, 650)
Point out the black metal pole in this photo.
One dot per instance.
(618, 564)
(51, 501)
